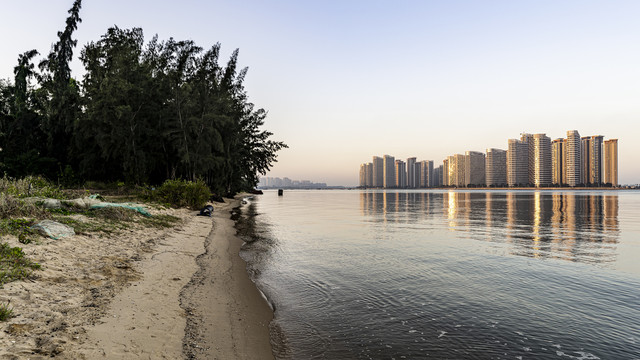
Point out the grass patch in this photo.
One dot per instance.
(30, 186)
(11, 207)
(160, 221)
(6, 312)
(14, 265)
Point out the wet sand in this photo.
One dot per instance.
(228, 316)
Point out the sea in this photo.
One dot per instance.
(438, 274)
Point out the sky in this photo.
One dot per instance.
(344, 80)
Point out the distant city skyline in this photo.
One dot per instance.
(533, 160)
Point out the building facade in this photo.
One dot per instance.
(557, 161)
(595, 160)
(389, 172)
(517, 163)
(474, 168)
(401, 174)
(411, 173)
(611, 162)
(573, 154)
(378, 172)
(542, 160)
(496, 167)
(529, 140)
(368, 175)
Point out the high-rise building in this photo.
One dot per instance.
(474, 168)
(426, 178)
(595, 161)
(572, 158)
(528, 139)
(496, 167)
(452, 171)
(517, 163)
(542, 160)
(378, 172)
(389, 171)
(401, 174)
(611, 162)
(585, 155)
(437, 176)
(564, 162)
(445, 172)
(411, 173)
(362, 177)
(418, 171)
(368, 175)
(557, 161)
(459, 174)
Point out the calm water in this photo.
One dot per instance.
(458, 275)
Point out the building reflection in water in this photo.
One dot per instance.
(567, 225)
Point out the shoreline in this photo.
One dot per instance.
(228, 316)
(140, 293)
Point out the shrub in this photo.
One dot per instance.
(181, 193)
(30, 186)
(14, 265)
(5, 312)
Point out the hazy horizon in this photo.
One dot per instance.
(344, 81)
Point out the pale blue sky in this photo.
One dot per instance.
(345, 80)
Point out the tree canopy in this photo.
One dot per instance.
(142, 113)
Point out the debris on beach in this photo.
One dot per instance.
(53, 229)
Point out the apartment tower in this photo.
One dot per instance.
(611, 162)
(361, 177)
(368, 175)
(418, 171)
(529, 140)
(458, 170)
(585, 155)
(496, 167)
(517, 163)
(445, 172)
(411, 173)
(401, 174)
(474, 168)
(427, 176)
(557, 161)
(542, 160)
(378, 172)
(572, 158)
(595, 161)
(389, 172)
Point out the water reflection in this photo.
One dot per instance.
(567, 225)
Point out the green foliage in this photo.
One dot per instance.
(14, 265)
(180, 193)
(6, 312)
(30, 186)
(142, 114)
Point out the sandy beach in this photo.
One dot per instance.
(141, 293)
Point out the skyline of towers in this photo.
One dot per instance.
(533, 160)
